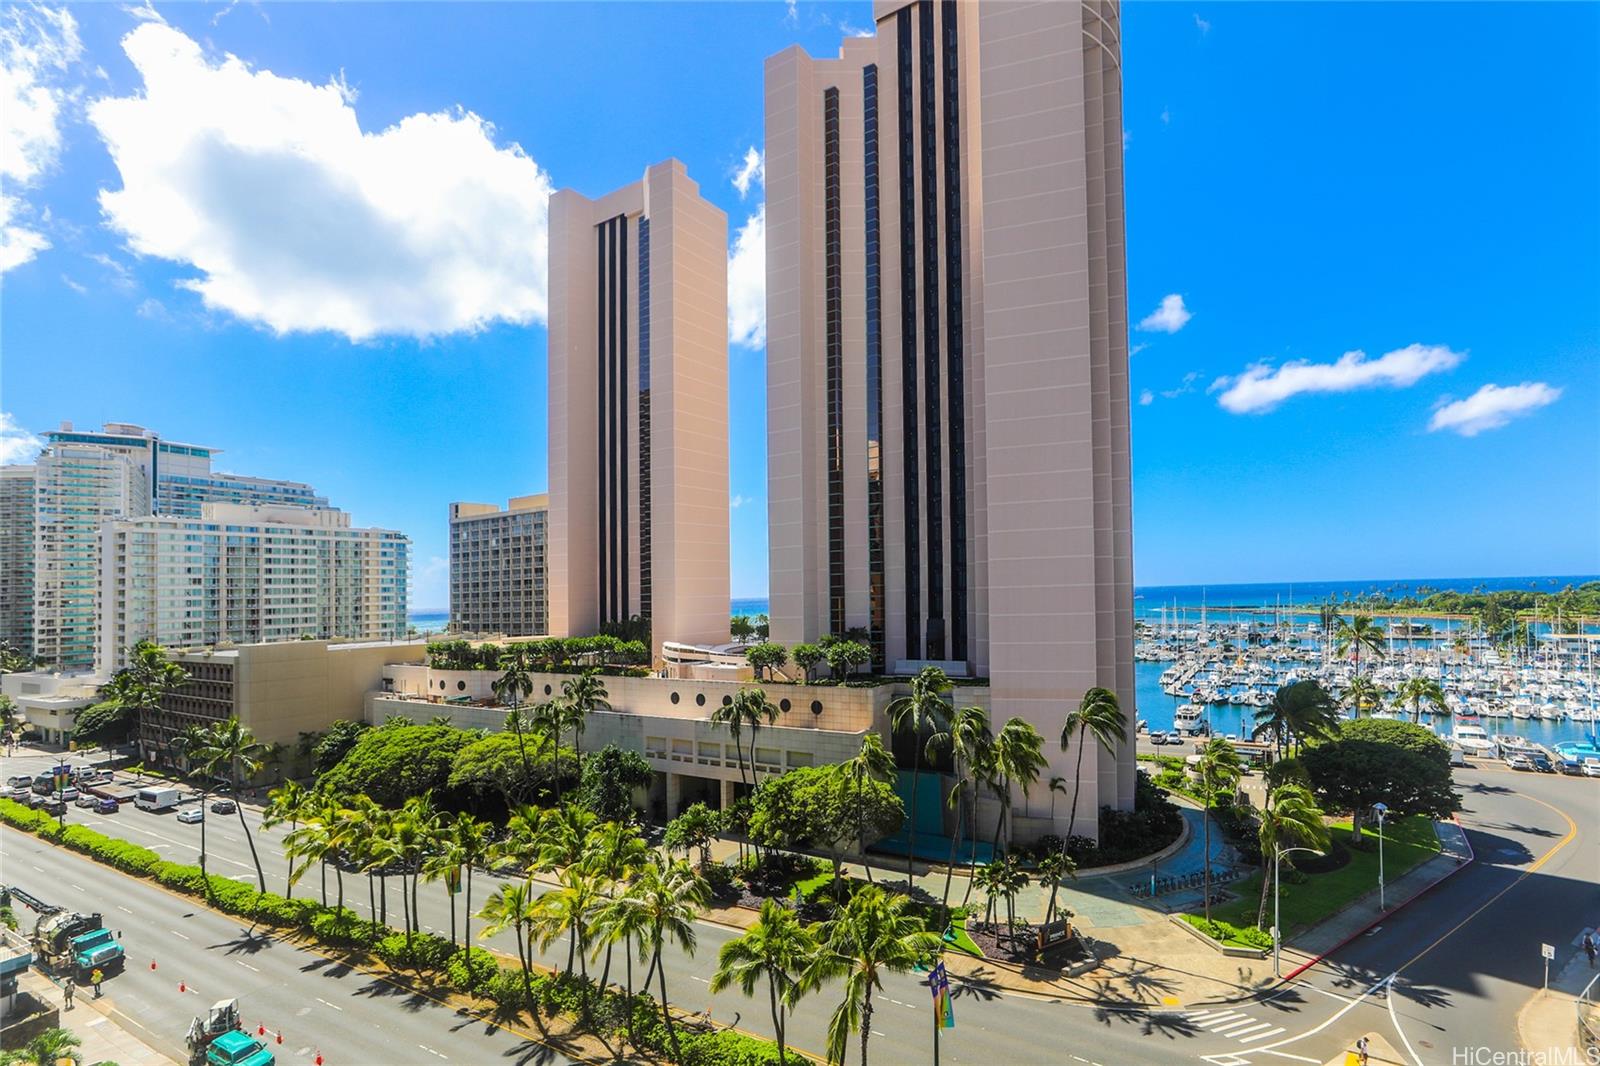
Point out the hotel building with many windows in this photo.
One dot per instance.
(948, 420)
(498, 567)
(638, 400)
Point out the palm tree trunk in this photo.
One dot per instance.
(911, 830)
(866, 1024)
(1266, 878)
(452, 896)
(1205, 820)
(383, 899)
(205, 879)
(466, 930)
(261, 877)
(416, 911)
(1077, 784)
(955, 846)
(627, 960)
(777, 1015)
(372, 898)
(666, 1011)
(338, 876)
(324, 882)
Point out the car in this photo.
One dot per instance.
(1570, 766)
(1541, 763)
(95, 777)
(1518, 761)
(68, 794)
(1591, 767)
(191, 816)
(222, 807)
(19, 781)
(86, 800)
(1458, 757)
(1158, 738)
(20, 793)
(107, 805)
(50, 805)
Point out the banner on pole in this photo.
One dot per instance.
(944, 1009)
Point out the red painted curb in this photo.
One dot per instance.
(1471, 858)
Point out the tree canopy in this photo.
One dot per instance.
(1379, 760)
(491, 768)
(335, 743)
(824, 807)
(610, 777)
(399, 761)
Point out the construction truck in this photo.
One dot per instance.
(67, 943)
(217, 1039)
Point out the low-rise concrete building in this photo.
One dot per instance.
(49, 702)
(277, 690)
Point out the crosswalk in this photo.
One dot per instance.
(1236, 1025)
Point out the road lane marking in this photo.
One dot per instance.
(39, 868)
(246, 965)
(1260, 1036)
(177, 934)
(1233, 1028)
(325, 1003)
(1340, 1013)
(79, 888)
(1238, 1034)
(123, 909)
(1395, 1020)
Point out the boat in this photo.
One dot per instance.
(1188, 717)
(1471, 738)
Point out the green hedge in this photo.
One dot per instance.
(1244, 935)
(607, 1013)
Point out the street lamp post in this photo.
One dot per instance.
(1380, 810)
(1277, 926)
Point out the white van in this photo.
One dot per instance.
(156, 799)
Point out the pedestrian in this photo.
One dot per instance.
(67, 989)
(1589, 948)
(95, 979)
(1361, 1051)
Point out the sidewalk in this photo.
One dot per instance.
(90, 1020)
(1379, 1053)
(1547, 1025)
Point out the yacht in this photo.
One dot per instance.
(1188, 717)
(1471, 738)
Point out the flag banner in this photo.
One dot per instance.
(944, 1009)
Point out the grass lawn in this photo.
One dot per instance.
(1407, 843)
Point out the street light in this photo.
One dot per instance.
(1380, 810)
(1277, 927)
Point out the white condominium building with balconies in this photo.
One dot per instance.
(248, 574)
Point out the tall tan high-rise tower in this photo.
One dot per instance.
(638, 523)
(947, 356)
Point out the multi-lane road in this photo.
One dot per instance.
(1452, 970)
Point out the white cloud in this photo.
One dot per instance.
(1136, 349)
(737, 501)
(298, 220)
(791, 15)
(752, 172)
(1170, 317)
(1202, 25)
(747, 283)
(1263, 387)
(1492, 407)
(1146, 398)
(73, 285)
(1166, 116)
(17, 445)
(121, 276)
(849, 30)
(38, 45)
(1185, 386)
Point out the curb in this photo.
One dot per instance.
(1471, 858)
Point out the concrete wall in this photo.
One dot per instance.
(283, 690)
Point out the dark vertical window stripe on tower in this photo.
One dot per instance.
(908, 339)
(623, 554)
(602, 419)
(955, 350)
(875, 590)
(834, 345)
(644, 418)
(931, 374)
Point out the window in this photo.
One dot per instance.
(727, 701)
(834, 345)
(655, 747)
(798, 759)
(674, 697)
(816, 706)
(783, 705)
(461, 686)
(700, 699)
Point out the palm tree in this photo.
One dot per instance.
(1219, 771)
(511, 906)
(875, 933)
(1018, 758)
(229, 745)
(1099, 716)
(614, 855)
(754, 708)
(778, 948)
(550, 716)
(667, 897)
(153, 677)
(1291, 818)
(729, 715)
(1052, 867)
(290, 802)
(514, 685)
(874, 761)
(1358, 633)
(965, 734)
(569, 909)
(924, 709)
(621, 918)
(191, 746)
(313, 841)
(1361, 696)
(1301, 710)
(1417, 691)
(47, 1049)
(444, 860)
(1057, 785)
(582, 696)
(470, 837)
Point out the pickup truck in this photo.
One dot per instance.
(217, 1040)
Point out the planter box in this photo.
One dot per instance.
(1231, 950)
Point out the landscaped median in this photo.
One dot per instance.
(608, 1014)
(1321, 887)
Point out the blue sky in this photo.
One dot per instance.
(324, 258)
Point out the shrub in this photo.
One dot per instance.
(484, 969)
